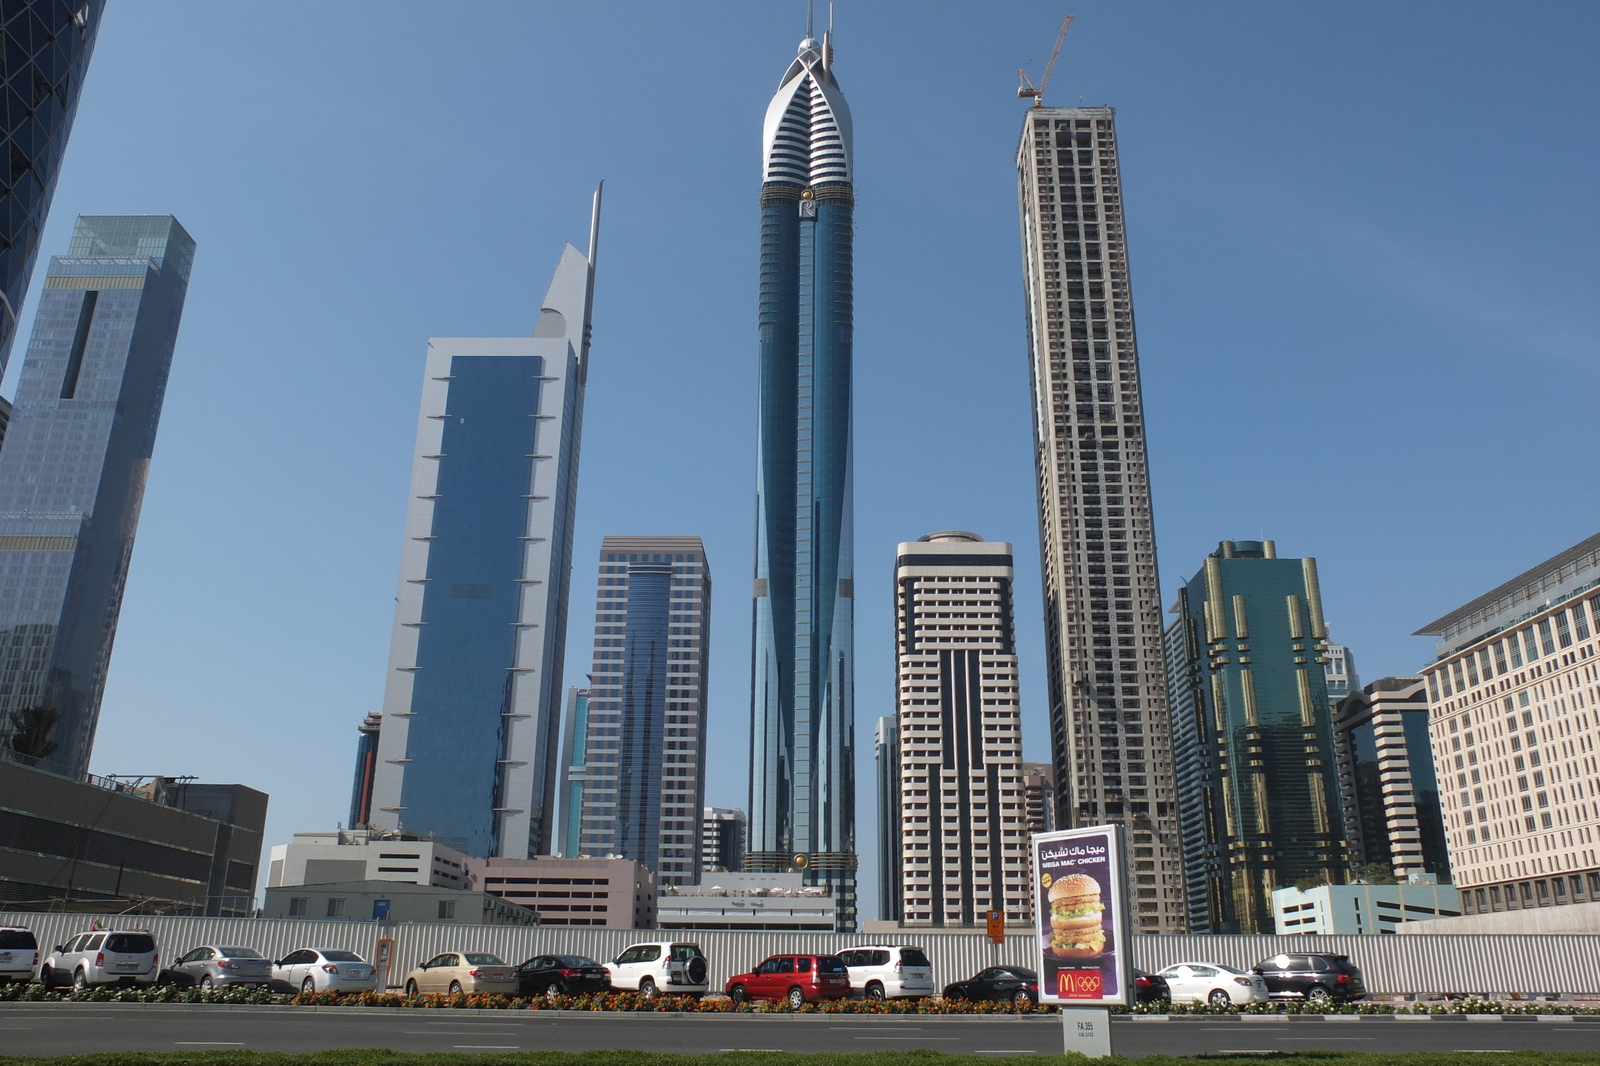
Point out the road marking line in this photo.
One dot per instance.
(876, 1028)
(952, 1038)
(211, 1043)
(486, 1047)
(728, 1049)
(1007, 1051)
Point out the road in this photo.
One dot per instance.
(59, 1029)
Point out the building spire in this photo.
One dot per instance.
(809, 5)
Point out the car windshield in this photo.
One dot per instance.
(829, 964)
(17, 940)
(685, 952)
(130, 943)
(240, 953)
(1230, 969)
(1026, 975)
(913, 957)
(574, 962)
(484, 960)
(342, 956)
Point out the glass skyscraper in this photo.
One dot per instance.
(44, 53)
(635, 772)
(802, 754)
(472, 711)
(72, 474)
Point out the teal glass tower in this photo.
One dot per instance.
(1258, 789)
(73, 472)
(802, 757)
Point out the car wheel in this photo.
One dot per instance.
(1219, 998)
(797, 998)
(1021, 1000)
(205, 983)
(954, 995)
(45, 977)
(556, 988)
(411, 988)
(455, 988)
(80, 980)
(309, 986)
(875, 992)
(738, 994)
(1318, 994)
(647, 988)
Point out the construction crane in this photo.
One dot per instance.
(1027, 88)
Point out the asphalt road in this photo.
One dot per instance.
(79, 1028)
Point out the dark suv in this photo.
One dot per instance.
(1313, 978)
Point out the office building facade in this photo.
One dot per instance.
(608, 893)
(1257, 772)
(366, 769)
(802, 748)
(963, 827)
(1515, 698)
(886, 761)
(1103, 635)
(640, 788)
(1339, 674)
(46, 55)
(73, 472)
(1360, 909)
(1039, 796)
(722, 834)
(1392, 806)
(469, 753)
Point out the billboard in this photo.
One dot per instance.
(1082, 916)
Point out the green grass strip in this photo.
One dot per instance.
(757, 1058)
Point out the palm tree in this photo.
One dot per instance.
(30, 733)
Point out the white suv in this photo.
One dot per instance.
(19, 955)
(882, 971)
(660, 969)
(112, 957)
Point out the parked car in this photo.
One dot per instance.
(886, 972)
(1315, 978)
(463, 971)
(1212, 982)
(219, 967)
(325, 970)
(660, 968)
(19, 954)
(1150, 988)
(103, 957)
(800, 979)
(1019, 985)
(560, 975)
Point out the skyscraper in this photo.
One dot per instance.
(802, 752)
(722, 840)
(1109, 732)
(472, 709)
(962, 842)
(47, 44)
(1258, 774)
(886, 758)
(1392, 808)
(641, 784)
(73, 471)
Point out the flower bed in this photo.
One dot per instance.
(632, 1001)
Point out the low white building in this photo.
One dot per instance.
(365, 855)
(393, 901)
(746, 901)
(1361, 908)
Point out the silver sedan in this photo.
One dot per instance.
(212, 966)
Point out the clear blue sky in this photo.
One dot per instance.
(1363, 241)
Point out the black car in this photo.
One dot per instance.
(559, 975)
(1150, 988)
(1013, 983)
(1315, 978)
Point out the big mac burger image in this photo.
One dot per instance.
(1075, 908)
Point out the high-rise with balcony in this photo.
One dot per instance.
(1103, 646)
(963, 818)
(636, 775)
(1258, 776)
(47, 45)
(802, 752)
(73, 472)
(472, 709)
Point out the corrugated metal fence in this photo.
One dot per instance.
(1392, 965)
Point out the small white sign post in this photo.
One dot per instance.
(1083, 954)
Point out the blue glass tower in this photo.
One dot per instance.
(44, 53)
(802, 758)
(73, 472)
(472, 710)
